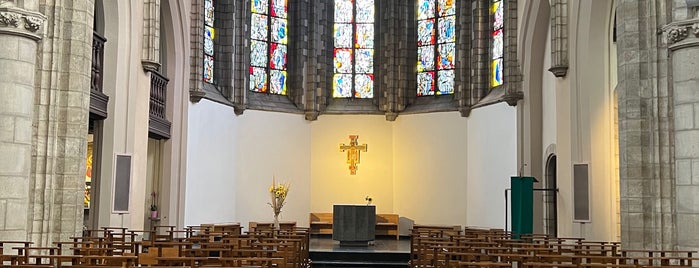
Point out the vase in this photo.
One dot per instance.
(276, 222)
(153, 214)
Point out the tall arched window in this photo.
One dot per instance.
(268, 34)
(496, 10)
(354, 49)
(436, 46)
(209, 34)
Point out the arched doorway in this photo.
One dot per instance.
(550, 202)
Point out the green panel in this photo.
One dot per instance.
(521, 205)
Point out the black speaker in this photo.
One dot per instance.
(581, 193)
(122, 184)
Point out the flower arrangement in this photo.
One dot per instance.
(278, 192)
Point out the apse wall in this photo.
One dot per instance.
(492, 160)
(331, 182)
(210, 151)
(270, 144)
(430, 170)
(232, 160)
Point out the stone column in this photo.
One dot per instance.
(683, 38)
(20, 30)
(645, 129)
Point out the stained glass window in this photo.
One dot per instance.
(436, 46)
(353, 56)
(268, 46)
(498, 44)
(209, 34)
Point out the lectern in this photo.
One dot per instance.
(354, 225)
(522, 205)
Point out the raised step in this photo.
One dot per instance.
(359, 259)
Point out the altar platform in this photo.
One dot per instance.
(385, 252)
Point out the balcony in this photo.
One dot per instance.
(158, 124)
(98, 100)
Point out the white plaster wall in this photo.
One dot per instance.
(492, 160)
(270, 144)
(331, 180)
(583, 122)
(126, 127)
(548, 97)
(210, 183)
(430, 152)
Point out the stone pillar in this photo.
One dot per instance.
(20, 30)
(60, 122)
(683, 38)
(645, 127)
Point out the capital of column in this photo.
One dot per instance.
(17, 21)
(682, 34)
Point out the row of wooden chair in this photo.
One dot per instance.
(220, 245)
(436, 246)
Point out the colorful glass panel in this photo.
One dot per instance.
(445, 79)
(208, 69)
(436, 24)
(365, 61)
(425, 84)
(342, 85)
(425, 32)
(425, 9)
(278, 57)
(497, 12)
(364, 86)
(446, 7)
(209, 40)
(279, 28)
(445, 59)
(365, 11)
(343, 11)
(343, 35)
(208, 59)
(209, 12)
(353, 57)
(277, 82)
(258, 27)
(425, 58)
(447, 29)
(260, 6)
(343, 60)
(268, 50)
(365, 36)
(279, 8)
(258, 53)
(497, 44)
(258, 79)
(496, 67)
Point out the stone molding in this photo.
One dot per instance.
(681, 34)
(559, 38)
(16, 21)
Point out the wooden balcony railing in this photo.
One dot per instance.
(98, 100)
(158, 125)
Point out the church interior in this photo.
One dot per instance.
(217, 116)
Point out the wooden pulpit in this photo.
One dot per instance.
(354, 225)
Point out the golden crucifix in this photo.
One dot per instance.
(353, 150)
